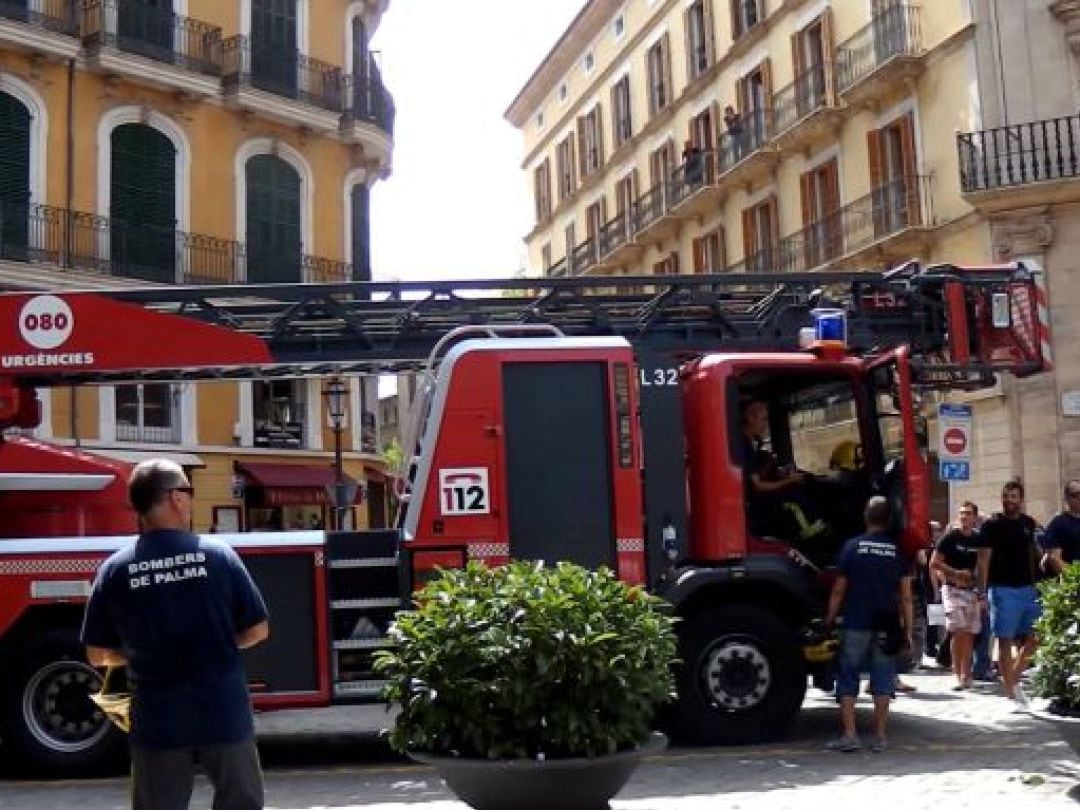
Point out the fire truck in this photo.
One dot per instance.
(596, 420)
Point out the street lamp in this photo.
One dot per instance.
(336, 394)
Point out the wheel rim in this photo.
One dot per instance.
(57, 709)
(735, 674)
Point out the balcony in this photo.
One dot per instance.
(693, 189)
(583, 257)
(153, 46)
(148, 434)
(747, 155)
(284, 86)
(891, 224)
(805, 111)
(650, 218)
(618, 245)
(1036, 163)
(40, 26)
(369, 107)
(877, 62)
(78, 241)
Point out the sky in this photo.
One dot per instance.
(458, 204)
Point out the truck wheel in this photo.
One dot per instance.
(742, 677)
(48, 718)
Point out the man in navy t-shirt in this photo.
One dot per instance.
(1061, 541)
(177, 610)
(873, 593)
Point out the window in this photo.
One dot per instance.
(626, 193)
(542, 190)
(745, 14)
(279, 407)
(275, 58)
(14, 178)
(709, 252)
(142, 204)
(820, 191)
(893, 175)
(812, 55)
(702, 131)
(595, 216)
(360, 232)
(754, 94)
(562, 92)
(273, 228)
(540, 120)
(662, 164)
(569, 238)
(545, 256)
(699, 38)
(589, 61)
(619, 26)
(148, 413)
(761, 235)
(668, 266)
(564, 155)
(658, 70)
(591, 141)
(621, 123)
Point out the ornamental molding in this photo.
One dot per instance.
(1021, 233)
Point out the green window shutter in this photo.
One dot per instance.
(274, 55)
(146, 27)
(361, 233)
(274, 242)
(14, 177)
(143, 204)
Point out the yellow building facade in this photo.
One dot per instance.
(152, 142)
(726, 136)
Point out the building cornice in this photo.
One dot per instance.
(577, 37)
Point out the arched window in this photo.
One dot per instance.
(142, 203)
(275, 56)
(274, 226)
(14, 177)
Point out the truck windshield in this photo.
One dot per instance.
(824, 428)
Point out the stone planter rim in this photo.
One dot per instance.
(654, 744)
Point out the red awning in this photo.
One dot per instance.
(293, 484)
(28, 465)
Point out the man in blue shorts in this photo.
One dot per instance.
(1008, 566)
(176, 609)
(873, 593)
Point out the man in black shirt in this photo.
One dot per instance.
(955, 560)
(1062, 539)
(176, 609)
(1008, 559)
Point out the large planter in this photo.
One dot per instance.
(587, 783)
(1067, 727)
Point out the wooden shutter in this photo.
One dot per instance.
(829, 49)
(736, 20)
(831, 180)
(688, 34)
(797, 57)
(710, 27)
(274, 242)
(598, 130)
(14, 176)
(665, 62)
(583, 146)
(741, 95)
(571, 163)
(806, 195)
(143, 203)
(873, 153)
(773, 205)
(749, 233)
(911, 168)
(767, 90)
(698, 249)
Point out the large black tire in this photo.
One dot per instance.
(742, 677)
(48, 719)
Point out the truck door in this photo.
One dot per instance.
(558, 462)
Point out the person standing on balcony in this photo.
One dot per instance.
(693, 160)
(176, 610)
(736, 133)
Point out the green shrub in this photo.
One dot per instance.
(1057, 677)
(527, 661)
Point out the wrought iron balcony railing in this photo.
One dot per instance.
(614, 233)
(287, 73)
(744, 136)
(58, 16)
(155, 32)
(1020, 154)
(887, 210)
(808, 93)
(75, 239)
(892, 32)
(367, 99)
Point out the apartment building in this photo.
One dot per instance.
(728, 136)
(200, 142)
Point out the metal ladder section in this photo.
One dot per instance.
(363, 585)
(425, 392)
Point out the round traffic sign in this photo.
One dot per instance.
(955, 440)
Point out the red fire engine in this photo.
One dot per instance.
(569, 419)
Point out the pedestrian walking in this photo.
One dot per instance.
(1008, 567)
(1061, 541)
(176, 609)
(955, 560)
(873, 593)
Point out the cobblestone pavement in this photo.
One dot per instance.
(947, 751)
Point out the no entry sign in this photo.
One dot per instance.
(954, 447)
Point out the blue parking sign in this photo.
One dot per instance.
(954, 470)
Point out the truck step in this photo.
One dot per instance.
(365, 562)
(363, 604)
(362, 643)
(358, 689)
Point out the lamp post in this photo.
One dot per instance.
(336, 394)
